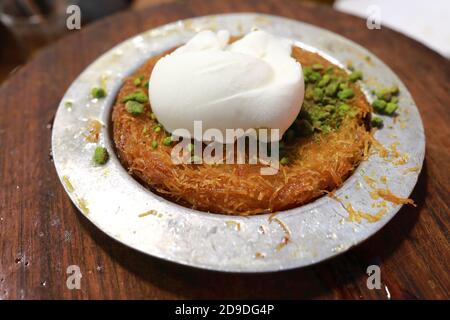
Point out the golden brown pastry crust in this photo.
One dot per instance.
(318, 163)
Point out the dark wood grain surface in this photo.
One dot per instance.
(41, 232)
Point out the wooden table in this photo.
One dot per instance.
(41, 232)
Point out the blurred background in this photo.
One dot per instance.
(29, 25)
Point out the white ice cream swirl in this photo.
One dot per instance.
(252, 83)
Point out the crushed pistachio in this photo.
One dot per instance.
(317, 94)
(345, 93)
(101, 155)
(167, 141)
(157, 128)
(310, 75)
(343, 85)
(98, 93)
(137, 96)
(324, 81)
(138, 81)
(387, 101)
(387, 93)
(390, 108)
(376, 122)
(328, 103)
(355, 75)
(68, 104)
(379, 105)
(284, 161)
(331, 89)
(317, 67)
(135, 108)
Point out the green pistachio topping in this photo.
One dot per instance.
(138, 81)
(324, 81)
(137, 96)
(327, 103)
(387, 93)
(387, 101)
(376, 122)
(154, 144)
(317, 67)
(329, 70)
(284, 161)
(390, 108)
(331, 89)
(343, 109)
(135, 108)
(167, 141)
(345, 93)
(343, 85)
(355, 75)
(310, 75)
(317, 94)
(101, 156)
(98, 93)
(379, 105)
(157, 128)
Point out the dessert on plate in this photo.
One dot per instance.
(243, 126)
(258, 81)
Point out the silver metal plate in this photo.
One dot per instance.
(114, 201)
